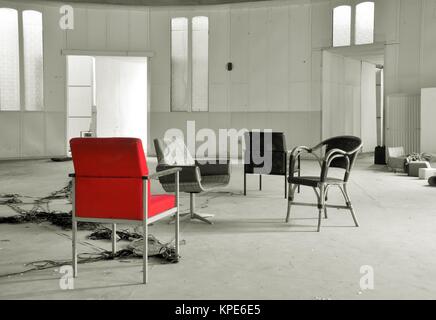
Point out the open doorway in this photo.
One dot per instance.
(352, 93)
(107, 97)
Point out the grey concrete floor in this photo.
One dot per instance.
(249, 252)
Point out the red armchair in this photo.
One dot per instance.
(111, 184)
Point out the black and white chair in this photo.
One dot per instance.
(195, 177)
(338, 152)
(258, 143)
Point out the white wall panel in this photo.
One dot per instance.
(239, 44)
(77, 38)
(428, 117)
(10, 134)
(218, 96)
(258, 57)
(299, 96)
(386, 16)
(55, 133)
(321, 25)
(33, 134)
(277, 58)
(403, 122)
(138, 30)
(239, 97)
(218, 46)
(300, 49)
(428, 44)
(97, 29)
(160, 44)
(118, 29)
(160, 98)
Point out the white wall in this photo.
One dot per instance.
(428, 120)
(275, 47)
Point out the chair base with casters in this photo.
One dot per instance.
(340, 152)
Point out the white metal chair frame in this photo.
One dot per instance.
(144, 222)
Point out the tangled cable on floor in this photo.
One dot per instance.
(41, 212)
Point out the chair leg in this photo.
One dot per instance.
(177, 219)
(325, 200)
(260, 182)
(74, 229)
(114, 238)
(290, 200)
(321, 205)
(348, 203)
(145, 253)
(196, 215)
(245, 184)
(286, 187)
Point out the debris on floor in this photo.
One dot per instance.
(103, 233)
(40, 212)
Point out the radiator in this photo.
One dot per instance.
(403, 122)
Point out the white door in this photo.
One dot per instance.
(121, 97)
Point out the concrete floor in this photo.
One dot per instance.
(249, 252)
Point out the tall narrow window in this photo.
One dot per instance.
(365, 23)
(200, 72)
(179, 64)
(9, 60)
(33, 60)
(342, 26)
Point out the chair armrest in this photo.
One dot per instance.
(166, 172)
(214, 169)
(187, 173)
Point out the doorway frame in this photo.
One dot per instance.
(358, 52)
(98, 53)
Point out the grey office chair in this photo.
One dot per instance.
(338, 152)
(195, 176)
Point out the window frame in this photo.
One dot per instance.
(23, 69)
(21, 62)
(19, 44)
(350, 7)
(353, 20)
(189, 89)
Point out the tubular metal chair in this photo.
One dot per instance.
(195, 177)
(338, 152)
(111, 185)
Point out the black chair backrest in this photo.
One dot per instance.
(278, 141)
(255, 145)
(349, 144)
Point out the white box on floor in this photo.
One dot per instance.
(425, 173)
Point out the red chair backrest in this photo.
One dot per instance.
(109, 177)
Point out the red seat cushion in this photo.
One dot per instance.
(160, 203)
